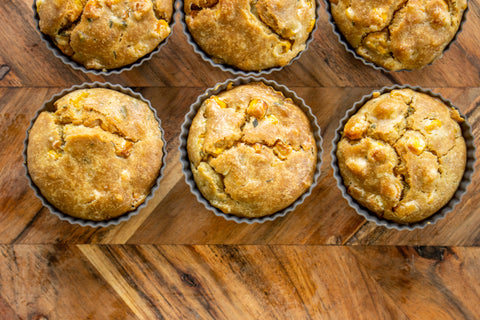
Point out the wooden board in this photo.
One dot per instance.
(178, 260)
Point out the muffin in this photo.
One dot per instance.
(398, 35)
(402, 155)
(252, 151)
(105, 34)
(250, 35)
(97, 155)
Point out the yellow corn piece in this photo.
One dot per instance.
(416, 145)
(272, 119)
(257, 108)
(54, 154)
(350, 13)
(433, 125)
(222, 104)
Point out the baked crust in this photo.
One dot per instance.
(402, 155)
(398, 34)
(105, 34)
(250, 35)
(252, 151)
(97, 156)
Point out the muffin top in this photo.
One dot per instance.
(250, 35)
(105, 34)
(402, 155)
(97, 155)
(252, 151)
(398, 34)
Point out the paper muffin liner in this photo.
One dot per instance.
(186, 162)
(48, 106)
(440, 214)
(366, 62)
(78, 66)
(232, 69)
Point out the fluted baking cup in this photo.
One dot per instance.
(49, 106)
(366, 62)
(440, 214)
(78, 66)
(186, 162)
(232, 69)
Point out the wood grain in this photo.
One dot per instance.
(177, 260)
(238, 282)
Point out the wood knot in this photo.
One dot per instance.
(189, 280)
(431, 253)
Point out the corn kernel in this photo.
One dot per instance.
(54, 154)
(217, 151)
(257, 108)
(220, 103)
(416, 145)
(272, 119)
(257, 147)
(282, 150)
(357, 165)
(354, 129)
(77, 99)
(350, 13)
(311, 25)
(433, 125)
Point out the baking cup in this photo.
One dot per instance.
(440, 214)
(48, 106)
(186, 162)
(233, 69)
(78, 66)
(350, 49)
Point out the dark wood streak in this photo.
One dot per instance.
(4, 70)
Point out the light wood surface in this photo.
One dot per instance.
(177, 260)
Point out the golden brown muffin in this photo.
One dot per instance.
(398, 34)
(252, 151)
(402, 155)
(251, 35)
(97, 156)
(105, 34)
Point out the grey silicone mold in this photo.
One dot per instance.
(186, 162)
(366, 62)
(232, 69)
(462, 188)
(48, 106)
(77, 66)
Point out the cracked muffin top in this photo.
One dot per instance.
(250, 35)
(105, 34)
(97, 155)
(398, 34)
(251, 150)
(402, 155)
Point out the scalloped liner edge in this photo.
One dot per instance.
(440, 214)
(77, 66)
(219, 87)
(82, 222)
(366, 62)
(232, 69)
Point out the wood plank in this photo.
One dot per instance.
(239, 282)
(325, 64)
(324, 218)
(54, 282)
